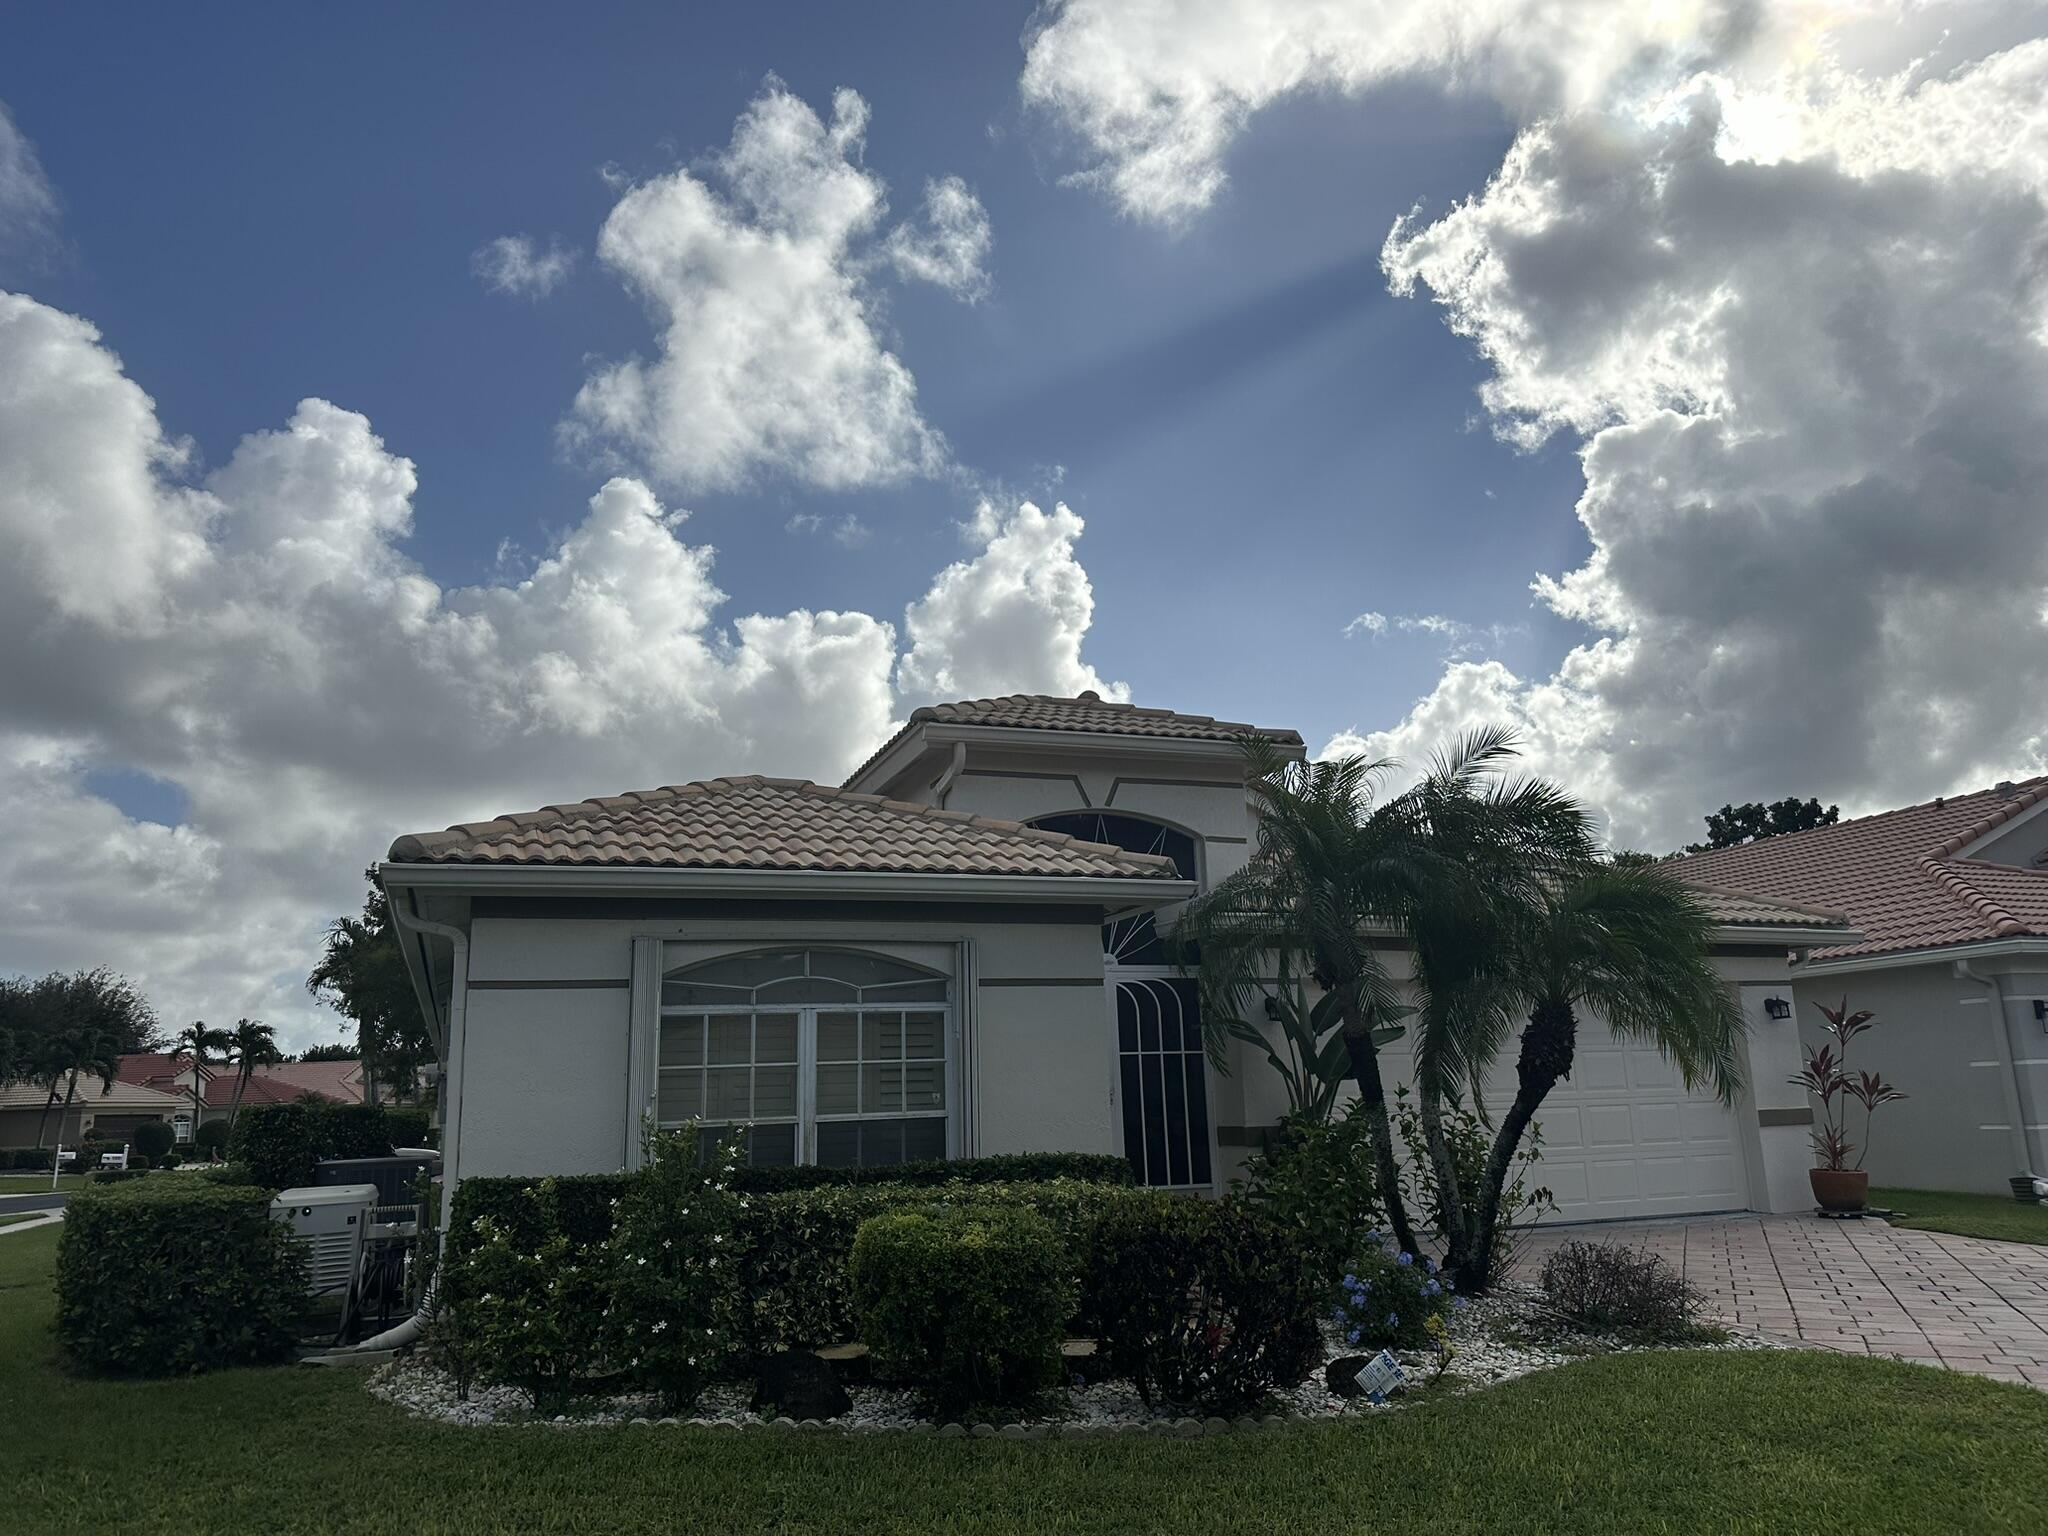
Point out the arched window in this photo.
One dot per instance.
(836, 1057)
(1129, 940)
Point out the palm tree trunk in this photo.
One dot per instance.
(241, 1083)
(43, 1120)
(1449, 1198)
(1365, 1067)
(1547, 1047)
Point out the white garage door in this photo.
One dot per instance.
(1623, 1138)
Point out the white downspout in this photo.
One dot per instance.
(2009, 1079)
(945, 784)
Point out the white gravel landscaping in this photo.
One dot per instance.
(1507, 1334)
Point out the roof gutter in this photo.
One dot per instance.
(1937, 954)
(2009, 1078)
(1123, 891)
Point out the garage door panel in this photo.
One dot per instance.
(1622, 1137)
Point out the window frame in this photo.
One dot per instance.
(651, 972)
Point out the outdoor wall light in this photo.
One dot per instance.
(1777, 1008)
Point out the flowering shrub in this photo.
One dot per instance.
(1388, 1300)
(675, 1298)
(1606, 1288)
(532, 1302)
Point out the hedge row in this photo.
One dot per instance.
(280, 1143)
(999, 1168)
(1198, 1302)
(30, 1159)
(162, 1277)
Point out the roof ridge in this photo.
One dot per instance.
(1945, 874)
(988, 823)
(2006, 811)
(1769, 901)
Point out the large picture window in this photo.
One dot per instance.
(835, 1057)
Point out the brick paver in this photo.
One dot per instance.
(1863, 1287)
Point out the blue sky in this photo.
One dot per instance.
(1249, 373)
(1669, 383)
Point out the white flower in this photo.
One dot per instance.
(661, 1325)
(641, 1262)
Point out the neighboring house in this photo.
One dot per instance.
(1951, 899)
(955, 953)
(112, 1115)
(171, 1073)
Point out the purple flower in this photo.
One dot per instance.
(1393, 1319)
(1405, 1259)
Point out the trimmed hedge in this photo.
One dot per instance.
(280, 1143)
(999, 1168)
(792, 1249)
(1204, 1305)
(211, 1138)
(154, 1138)
(969, 1301)
(31, 1159)
(165, 1277)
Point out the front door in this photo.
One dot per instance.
(1163, 1080)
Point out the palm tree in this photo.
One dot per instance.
(1329, 870)
(1632, 945)
(251, 1044)
(198, 1042)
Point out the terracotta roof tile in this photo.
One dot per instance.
(1896, 875)
(1089, 713)
(761, 823)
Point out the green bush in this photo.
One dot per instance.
(211, 1139)
(280, 1143)
(170, 1160)
(170, 1276)
(1385, 1300)
(532, 1300)
(1205, 1306)
(1319, 1180)
(1606, 1288)
(136, 1169)
(969, 1301)
(792, 1248)
(1000, 1168)
(675, 1300)
(154, 1137)
(406, 1127)
(34, 1159)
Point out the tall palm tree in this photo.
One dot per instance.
(198, 1042)
(1329, 872)
(249, 1045)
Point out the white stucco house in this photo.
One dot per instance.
(1950, 902)
(956, 953)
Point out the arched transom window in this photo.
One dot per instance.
(1129, 940)
(835, 1057)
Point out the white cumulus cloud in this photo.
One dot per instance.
(258, 639)
(28, 203)
(758, 272)
(1777, 268)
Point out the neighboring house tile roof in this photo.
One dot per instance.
(773, 824)
(1088, 713)
(341, 1080)
(1739, 909)
(125, 1096)
(1897, 875)
(280, 1084)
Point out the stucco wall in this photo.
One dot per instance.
(1934, 1041)
(545, 1064)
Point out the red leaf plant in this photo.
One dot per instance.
(1826, 1077)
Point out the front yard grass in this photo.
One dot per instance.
(1645, 1442)
(1999, 1217)
(39, 1183)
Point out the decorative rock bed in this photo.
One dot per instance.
(1507, 1334)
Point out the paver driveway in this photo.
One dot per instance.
(1859, 1286)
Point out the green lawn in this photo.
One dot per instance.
(1939, 1210)
(1656, 1442)
(39, 1183)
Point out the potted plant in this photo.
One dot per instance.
(1838, 1184)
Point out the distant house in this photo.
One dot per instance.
(171, 1073)
(28, 1109)
(1951, 901)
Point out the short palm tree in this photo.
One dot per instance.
(251, 1044)
(1631, 945)
(200, 1041)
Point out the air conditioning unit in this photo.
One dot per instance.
(331, 1223)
